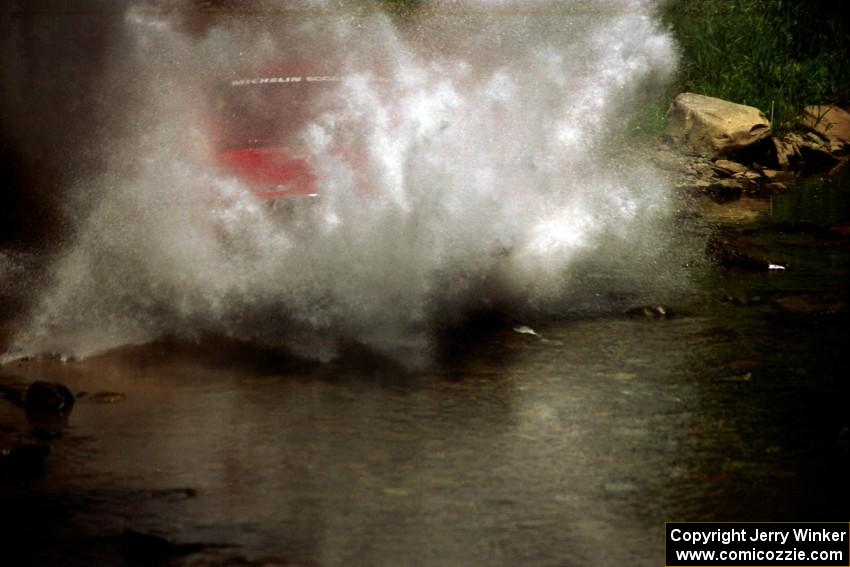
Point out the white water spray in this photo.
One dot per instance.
(491, 146)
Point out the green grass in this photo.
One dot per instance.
(776, 55)
(400, 7)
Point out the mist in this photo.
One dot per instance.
(493, 171)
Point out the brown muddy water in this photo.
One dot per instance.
(570, 447)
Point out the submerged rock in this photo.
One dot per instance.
(713, 127)
(650, 312)
(525, 330)
(108, 397)
(737, 251)
(49, 397)
(48, 405)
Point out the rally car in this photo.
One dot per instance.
(258, 118)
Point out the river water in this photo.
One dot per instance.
(572, 446)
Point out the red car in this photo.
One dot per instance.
(258, 119)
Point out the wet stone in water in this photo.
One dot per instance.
(650, 312)
(736, 250)
(108, 397)
(49, 397)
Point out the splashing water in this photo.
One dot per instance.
(490, 159)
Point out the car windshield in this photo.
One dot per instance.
(267, 111)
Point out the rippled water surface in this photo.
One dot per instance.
(569, 447)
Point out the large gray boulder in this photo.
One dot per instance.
(713, 127)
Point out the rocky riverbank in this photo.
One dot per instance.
(726, 150)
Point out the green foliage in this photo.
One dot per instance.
(776, 55)
(401, 7)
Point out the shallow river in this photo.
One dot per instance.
(570, 447)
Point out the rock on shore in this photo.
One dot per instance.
(830, 123)
(713, 127)
(724, 150)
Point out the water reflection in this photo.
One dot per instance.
(536, 460)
